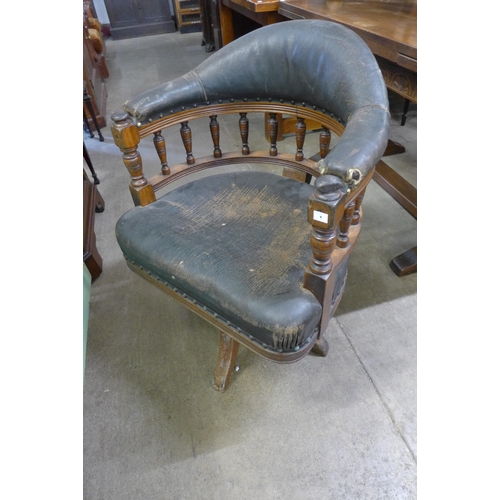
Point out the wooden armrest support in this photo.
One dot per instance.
(325, 211)
(126, 137)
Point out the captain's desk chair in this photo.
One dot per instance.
(260, 256)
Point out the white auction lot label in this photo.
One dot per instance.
(320, 216)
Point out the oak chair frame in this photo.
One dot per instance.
(331, 243)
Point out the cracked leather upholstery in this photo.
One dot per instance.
(320, 63)
(238, 244)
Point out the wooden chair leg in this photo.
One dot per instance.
(226, 361)
(321, 347)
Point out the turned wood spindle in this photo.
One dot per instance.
(273, 133)
(324, 141)
(300, 134)
(243, 123)
(161, 149)
(325, 209)
(325, 206)
(322, 245)
(345, 224)
(133, 161)
(128, 146)
(126, 137)
(357, 208)
(214, 131)
(188, 142)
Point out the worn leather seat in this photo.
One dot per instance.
(254, 252)
(193, 239)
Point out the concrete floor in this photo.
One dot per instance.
(340, 427)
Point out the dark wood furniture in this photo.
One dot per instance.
(135, 18)
(89, 163)
(188, 15)
(389, 28)
(92, 203)
(406, 107)
(238, 17)
(95, 73)
(210, 23)
(94, 33)
(88, 108)
(263, 257)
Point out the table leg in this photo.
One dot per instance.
(398, 187)
(226, 24)
(393, 148)
(89, 163)
(406, 263)
(87, 101)
(87, 126)
(406, 195)
(405, 111)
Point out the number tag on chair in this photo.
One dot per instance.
(320, 216)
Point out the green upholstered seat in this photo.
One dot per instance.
(238, 245)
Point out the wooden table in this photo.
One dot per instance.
(389, 28)
(234, 13)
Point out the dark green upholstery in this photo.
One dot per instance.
(313, 63)
(238, 244)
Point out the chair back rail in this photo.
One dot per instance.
(133, 160)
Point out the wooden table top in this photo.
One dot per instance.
(258, 5)
(389, 27)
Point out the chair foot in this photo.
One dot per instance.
(406, 263)
(226, 361)
(321, 347)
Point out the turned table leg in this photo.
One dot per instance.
(88, 103)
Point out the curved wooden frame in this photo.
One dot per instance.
(331, 242)
(204, 110)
